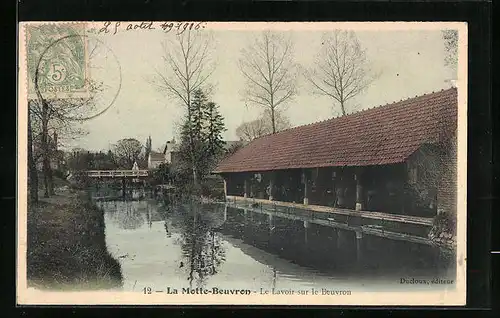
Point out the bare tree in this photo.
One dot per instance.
(187, 68)
(251, 130)
(60, 115)
(32, 170)
(340, 70)
(270, 73)
(127, 151)
(450, 38)
(232, 149)
(261, 126)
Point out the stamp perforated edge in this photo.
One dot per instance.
(82, 92)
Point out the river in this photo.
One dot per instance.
(209, 245)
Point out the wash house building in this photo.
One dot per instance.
(399, 158)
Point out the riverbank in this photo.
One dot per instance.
(66, 245)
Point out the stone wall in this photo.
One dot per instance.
(443, 231)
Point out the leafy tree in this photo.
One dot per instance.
(215, 126)
(161, 174)
(104, 161)
(78, 160)
(147, 148)
(201, 137)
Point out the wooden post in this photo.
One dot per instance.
(272, 226)
(306, 187)
(334, 187)
(359, 246)
(225, 188)
(359, 190)
(245, 188)
(271, 186)
(225, 213)
(270, 222)
(306, 227)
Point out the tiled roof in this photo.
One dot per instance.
(230, 143)
(157, 156)
(382, 135)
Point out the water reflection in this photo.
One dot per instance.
(127, 215)
(202, 248)
(204, 245)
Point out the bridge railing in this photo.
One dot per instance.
(116, 173)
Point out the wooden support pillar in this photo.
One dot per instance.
(225, 188)
(334, 187)
(306, 228)
(359, 246)
(306, 186)
(245, 188)
(270, 222)
(359, 190)
(271, 186)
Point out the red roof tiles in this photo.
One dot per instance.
(382, 135)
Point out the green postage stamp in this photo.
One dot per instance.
(57, 60)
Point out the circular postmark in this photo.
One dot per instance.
(75, 74)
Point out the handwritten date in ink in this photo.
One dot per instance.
(181, 27)
(177, 27)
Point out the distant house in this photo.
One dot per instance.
(155, 159)
(56, 156)
(171, 153)
(57, 160)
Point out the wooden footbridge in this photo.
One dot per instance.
(116, 173)
(133, 176)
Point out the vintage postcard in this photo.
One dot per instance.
(234, 163)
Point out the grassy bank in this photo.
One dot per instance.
(66, 245)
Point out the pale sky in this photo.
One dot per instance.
(410, 63)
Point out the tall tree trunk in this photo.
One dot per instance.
(342, 107)
(45, 149)
(273, 120)
(32, 171)
(192, 150)
(50, 179)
